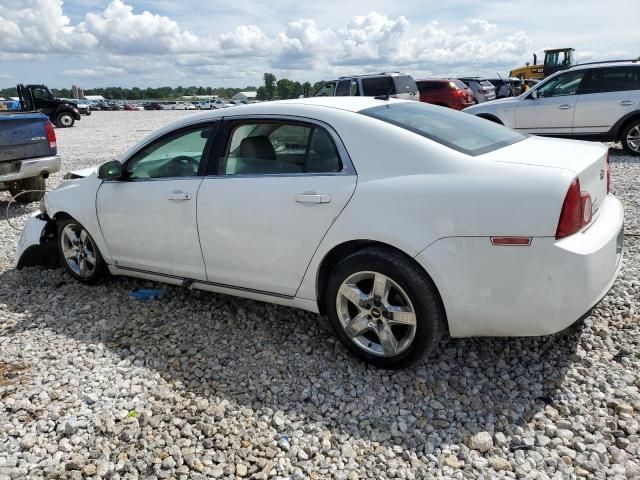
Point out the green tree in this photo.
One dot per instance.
(284, 88)
(270, 85)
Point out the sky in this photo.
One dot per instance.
(152, 43)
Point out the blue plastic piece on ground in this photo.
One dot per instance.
(147, 293)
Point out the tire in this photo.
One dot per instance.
(32, 183)
(65, 120)
(406, 291)
(77, 249)
(630, 137)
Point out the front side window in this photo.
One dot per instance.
(376, 86)
(326, 90)
(562, 85)
(459, 131)
(176, 155)
(42, 94)
(612, 79)
(271, 148)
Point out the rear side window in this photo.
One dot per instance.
(617, 79)
(459, 131)
(344, 88)
(268, 148)
(405, 84)
(375, 86)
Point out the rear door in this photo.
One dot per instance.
(277, 187)
(553, 111)
(605, 96)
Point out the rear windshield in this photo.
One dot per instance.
(459, 84)
(460, 131)
(375, 86)
(486, 83)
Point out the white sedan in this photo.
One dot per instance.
(399, 220)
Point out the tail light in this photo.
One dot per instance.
(51, 136)
(576, 211)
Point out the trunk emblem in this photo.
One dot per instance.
(38, 139)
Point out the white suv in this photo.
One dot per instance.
(598, 101)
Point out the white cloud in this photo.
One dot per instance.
(93, 72)
(118, 29)
(36, 26)
(243, 40)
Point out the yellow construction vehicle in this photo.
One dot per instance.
(554, 59)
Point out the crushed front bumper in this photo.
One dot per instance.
(37, 244)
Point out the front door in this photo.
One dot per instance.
(552, 112)
(148, 218)
(277, 189)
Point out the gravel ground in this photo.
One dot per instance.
(197, 385)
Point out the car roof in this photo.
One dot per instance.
(609, 64)
(382, 74)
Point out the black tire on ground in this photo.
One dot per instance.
(33, 183)
(429, 313)
(632, 129)
(65, 120)
(99, 270)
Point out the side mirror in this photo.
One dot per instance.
(534, 95)
(110, 171)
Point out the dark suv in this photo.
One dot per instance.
(393, 84)
(446, 92)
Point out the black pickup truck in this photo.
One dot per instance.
(28, 150)
(62, 113)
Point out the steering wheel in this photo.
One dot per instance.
(180, 166)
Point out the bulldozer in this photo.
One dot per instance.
(554, 59)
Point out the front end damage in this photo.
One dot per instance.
(37, 245)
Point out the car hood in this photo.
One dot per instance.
(81, 173)
(500, 101)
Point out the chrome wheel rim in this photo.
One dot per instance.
(65, 120)
(376, 314)
(78, 250)
(633, 138)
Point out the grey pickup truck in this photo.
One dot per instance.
(28, 151)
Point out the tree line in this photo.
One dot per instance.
(272, 89)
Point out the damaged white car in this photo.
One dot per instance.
(399, 220)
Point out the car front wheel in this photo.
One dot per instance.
(631, 137)
(384, 308)
(65, 120)
(78, 252)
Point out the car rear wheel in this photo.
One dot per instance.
(65, 120)
(78, 252)
(630, 137)
(384, 308)
(28, 190)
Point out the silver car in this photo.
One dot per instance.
(393, 85)
(483, 90)
(596, 101)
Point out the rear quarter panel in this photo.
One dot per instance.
(412, 192)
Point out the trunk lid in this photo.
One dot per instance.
(586, 160)
(22, 136)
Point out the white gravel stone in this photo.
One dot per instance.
(198, 385)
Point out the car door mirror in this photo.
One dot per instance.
(534, 95)
(110, 170)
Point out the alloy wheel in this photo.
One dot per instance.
(66, 120)
(376, 314)
(633, 138)
(78, 250)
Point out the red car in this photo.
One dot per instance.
(446, 92)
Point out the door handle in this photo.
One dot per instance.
(564, 107)
(312, 198)
(179, 196)
(626, 103)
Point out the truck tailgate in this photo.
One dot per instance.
(23, 135)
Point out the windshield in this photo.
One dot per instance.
(459, 131)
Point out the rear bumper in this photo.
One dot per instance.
(33, 168)
(525, 291)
